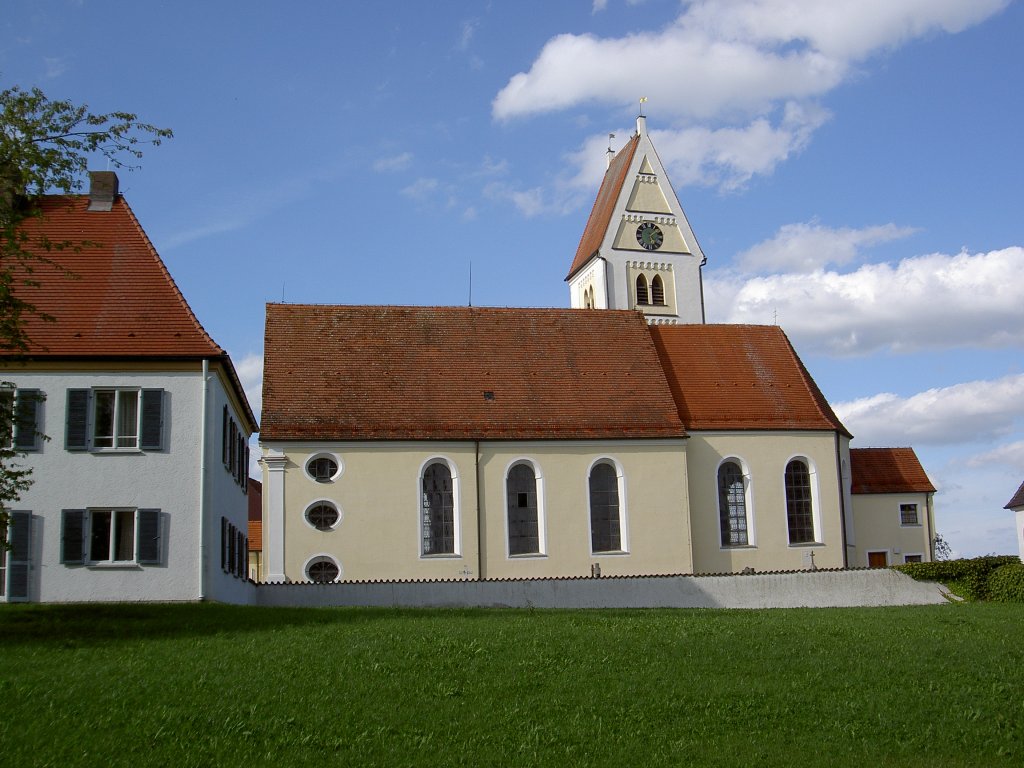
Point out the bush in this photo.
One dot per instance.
(1006, 584)
(968, 578)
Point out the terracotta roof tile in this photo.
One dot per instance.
(740, 377)
(116, 298)
(255, 535)
(888, 470)
(387, 373)
(604, 205)
(1017, 500)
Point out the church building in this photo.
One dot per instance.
(622, 436)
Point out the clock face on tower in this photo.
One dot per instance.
(649, 236)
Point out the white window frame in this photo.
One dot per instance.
(620, 477)
(917, 511)
(456, 509)
(812, 472)
(328, 502)
(542, 537)
(748, 501)
(323, 455)
(319, 558)
(914, 554)
(91, 514)
(114, 438)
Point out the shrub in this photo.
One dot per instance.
(1006, 584)
(968, 578)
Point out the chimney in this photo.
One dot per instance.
(102, 190)
(641, 125)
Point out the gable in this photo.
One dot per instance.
(404, 373)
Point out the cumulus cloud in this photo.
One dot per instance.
(422, 189)
(719, 58)
(970, 412)
(1007, 455)
(393, 163)
(250, 373)
(931, 301)
(807, 247)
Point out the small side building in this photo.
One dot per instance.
(1016, 504)
(893, 511)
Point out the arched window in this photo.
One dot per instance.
(588, 298)
(641, 290)
(799, 504)
(657, 291)
(523, 527)
(732, 505)
(605, 527)
(322, 570)
(437, 509)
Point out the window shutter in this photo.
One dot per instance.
(25, 420)
(20, 556)
(76, 438)
(224, 437)
(152, 419)
(224, 544)
(232, 563)
(148, 550)
(72, 550)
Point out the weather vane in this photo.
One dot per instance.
(610, 137)
(642, 100)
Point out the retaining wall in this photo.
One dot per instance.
(814, 589)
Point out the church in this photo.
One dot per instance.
(623, 436)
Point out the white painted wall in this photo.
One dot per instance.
(168, 480)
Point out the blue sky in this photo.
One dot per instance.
(851, 169)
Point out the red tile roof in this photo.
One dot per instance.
(1017, 500)
(727, 377)
(888, 470)
(604, 205)
(116, 298)
(392, 373)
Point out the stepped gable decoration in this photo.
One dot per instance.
(888, 470)
(740, 377)
(425, 373)
(118, 299)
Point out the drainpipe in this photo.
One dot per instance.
(928, 512)
(842, 500)
(202, 485)
(479, 520)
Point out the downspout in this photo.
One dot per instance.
(700, 283)
(202, 486)
(928, 526)
(479, 521)
(842, 501)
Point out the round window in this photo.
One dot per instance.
(322, 571)
(322, 469)
(322, 516)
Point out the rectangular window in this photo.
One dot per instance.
(97, 536)
(908, 514)
(15, 565)
(912, 559)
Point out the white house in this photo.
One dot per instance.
(132, 419)
(1016, 505)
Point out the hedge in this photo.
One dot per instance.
(971, 576)
(1006, 584)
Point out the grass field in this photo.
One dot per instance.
(206, 685)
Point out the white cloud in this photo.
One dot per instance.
(599, 5)
(467, 30)
(250, 373)
(722, 58)
(422, 189)
(394, 163)
(810, 246)
(55, 66)
(1008, 455)
(970, 412)
(934, 301)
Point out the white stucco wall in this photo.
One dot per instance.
(167, 480)
(877, 519)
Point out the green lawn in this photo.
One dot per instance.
(182, 685)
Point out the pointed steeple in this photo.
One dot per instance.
(638, 250)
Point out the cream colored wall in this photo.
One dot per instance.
(877, 523)
(379, 498)
(764, 456)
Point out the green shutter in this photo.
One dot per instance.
(72, 549)
(76, 438)
(26, 413)
(20, 556)
(148, 550)
(152, 419)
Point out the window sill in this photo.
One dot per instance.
(911, 525)
(610, 553)
(806, 544)
(529, 556)
(113, 566)
(734, 547)
(442, 556)
(116, 450)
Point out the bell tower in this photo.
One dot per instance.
(638, 251)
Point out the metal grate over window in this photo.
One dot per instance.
(323, 517)
(799, 512)
(732, 505)
(657, 291)
(523, 529)
(323, 469)
(323, 571)
(605, 534)
(908, 514)
(438, 510)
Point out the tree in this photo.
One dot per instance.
(45, 147)
(941, 548)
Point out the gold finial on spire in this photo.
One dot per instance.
(642, 100)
